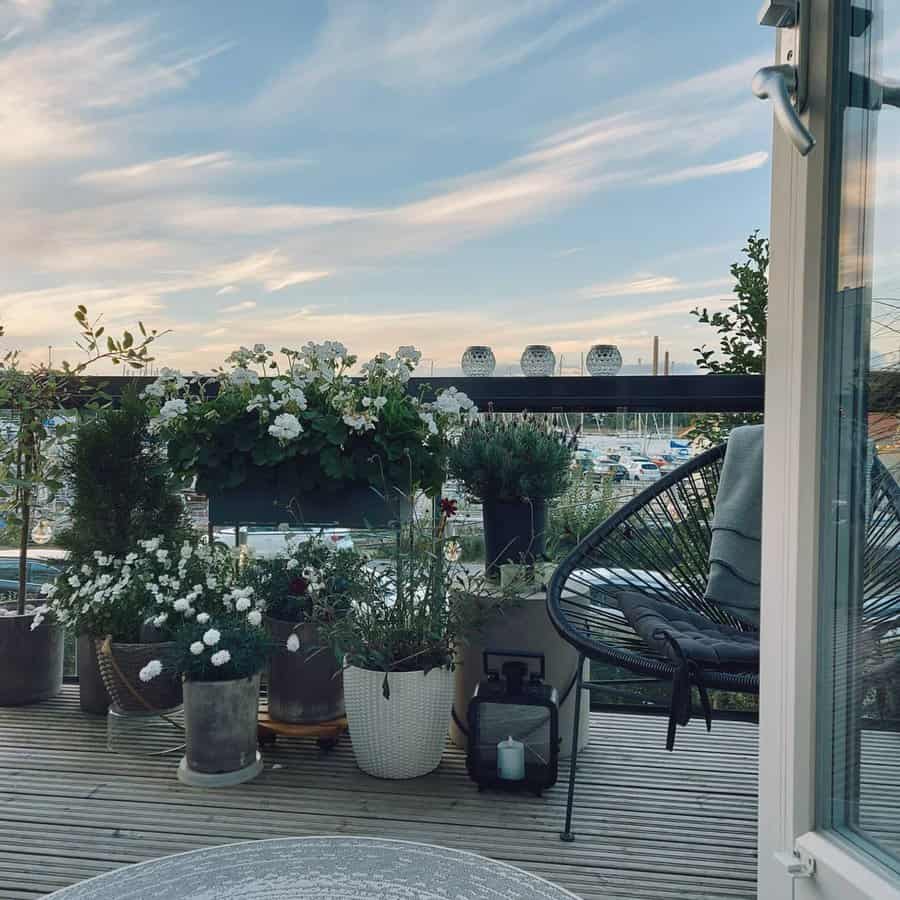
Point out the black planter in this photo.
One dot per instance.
(93, 696)
(306, 686)
(272, 495)
(513, 532)
(31, 662)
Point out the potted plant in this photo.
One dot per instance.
(134, 605)
(272, 438)
(122, 491)
(398, 644)
(513, 467)
(304, 683)
(31, 648)
(220, 656)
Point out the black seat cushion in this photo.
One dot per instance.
(667, 629)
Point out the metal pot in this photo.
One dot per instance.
(93, 695)
(221, 720)
(306, 686)
(31, 662)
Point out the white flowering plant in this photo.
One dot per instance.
(304, 410)
(155, 589)
(313, 574)
(222, 647)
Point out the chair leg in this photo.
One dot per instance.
(567, 834)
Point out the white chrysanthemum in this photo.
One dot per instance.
(292, 564)
(293, 643)
(254, 617)
(202, 618)
(181, 605)
(197, 648)
(211, 637)
(242, 604)
(220, 657)
(151, 670)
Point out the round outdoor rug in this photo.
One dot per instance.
(327, 868)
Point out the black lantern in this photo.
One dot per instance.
(514, 725)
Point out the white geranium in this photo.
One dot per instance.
(220, 657)
(151, 670)
(254, 617)
(293, 643)
(181, 605)
(172, 409)
(202, 618)
(211, 637)
(197, 648)
(286, 427)
(241, 377)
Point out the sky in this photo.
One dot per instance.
(437, 173)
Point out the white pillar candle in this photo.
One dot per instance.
(511, 760)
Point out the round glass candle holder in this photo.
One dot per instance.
(538, 360)
(478, 361)
(603, 359)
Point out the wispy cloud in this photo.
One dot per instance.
(648, 284)
(709, 170)
(243, 306)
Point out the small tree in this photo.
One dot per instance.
(34, 395)
(742, 336)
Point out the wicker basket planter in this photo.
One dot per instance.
(402, 736)
(119, 670)
(303, 687)
(31, 662)
(92, 693)
(221, 725)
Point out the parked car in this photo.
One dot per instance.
(644, 470)
(620, 473)
(604, 465)
(583, 459)
(38, 572)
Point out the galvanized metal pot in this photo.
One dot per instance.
(31, 662)
(221, 720)
(307, 686)
(93, 695)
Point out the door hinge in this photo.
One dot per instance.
(797, 863)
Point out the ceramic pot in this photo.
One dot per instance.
(513, 532)
(221, 722)
(31, 662)
(401, 736)
(307, 686)
(92, 693)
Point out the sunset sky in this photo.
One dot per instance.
(440, 174)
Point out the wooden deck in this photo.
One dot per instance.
(649, 824)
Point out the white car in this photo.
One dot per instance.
(642, 469)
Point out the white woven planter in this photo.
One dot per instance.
(404, 736)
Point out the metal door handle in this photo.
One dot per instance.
(778, 83)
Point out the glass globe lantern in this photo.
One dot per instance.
(478, 361)
(538, 360)
(603, 359)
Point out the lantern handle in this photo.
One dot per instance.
(514, 654)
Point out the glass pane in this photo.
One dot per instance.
(860, 549)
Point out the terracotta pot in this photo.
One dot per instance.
(402, 736)
(306, 686)
(93, 695)
(31, 662)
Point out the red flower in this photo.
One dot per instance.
(448, 507)
(298, 585)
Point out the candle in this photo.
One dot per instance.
(511, 760)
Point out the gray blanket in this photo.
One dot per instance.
(734, 569)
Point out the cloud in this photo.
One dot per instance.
(243, 306)
(228, 289)
(159, 172)
(648, 284)
(414, 47)
(728, 167)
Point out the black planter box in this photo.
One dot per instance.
(272, 496)
(513, 532)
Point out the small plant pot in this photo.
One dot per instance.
(404, 735)
(92, 693)
(513, 533)
(31, 662)
(120, 671)
(307, 686)
(221, 721)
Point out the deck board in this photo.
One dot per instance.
(649, 824)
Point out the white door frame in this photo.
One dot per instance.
(791, 509)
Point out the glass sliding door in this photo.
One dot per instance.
(858, 721)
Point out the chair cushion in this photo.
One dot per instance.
(707, 643)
